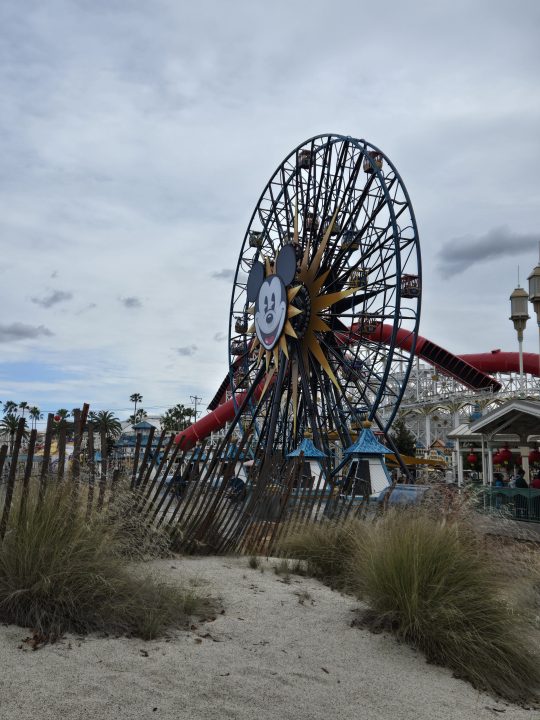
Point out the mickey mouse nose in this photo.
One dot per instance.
(269, 318)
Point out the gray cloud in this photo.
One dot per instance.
(131, 302)
(187, 350)
(224, 274)
(53, 298)
(20, 331)
(220, 337)
(461, 253)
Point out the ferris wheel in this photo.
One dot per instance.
(329, 274)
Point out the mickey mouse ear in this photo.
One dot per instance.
(286, 264)
(255, 280)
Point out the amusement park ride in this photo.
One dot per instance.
(323, 350)
(325, 312)
(325, 304)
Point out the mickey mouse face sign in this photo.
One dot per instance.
(270, 296)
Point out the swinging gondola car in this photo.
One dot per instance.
(255, 239)
(368, 324)
(410, 286)
(349, 240)
(303, 159)
(336, 227)
(240, 324)
(357, 279)
(312, 221)
(377, 159)
(238, 347)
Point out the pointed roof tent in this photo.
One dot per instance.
(367, 444)
(143, 425)
(308, 450)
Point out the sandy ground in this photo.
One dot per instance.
(275, 653)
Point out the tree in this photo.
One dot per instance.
(403, 438)
(23, 406)
(140, 415)
(8, 426)
(63, 414)
(135, 398)
(10, 407)
(36, 414)
(177, 417)
(105, 421)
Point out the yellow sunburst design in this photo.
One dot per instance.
(309, 277)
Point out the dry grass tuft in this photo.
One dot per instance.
(437, 586)
(60, 573)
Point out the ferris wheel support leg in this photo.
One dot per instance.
(275, 405)
(238, 414)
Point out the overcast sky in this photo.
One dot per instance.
(137, 136)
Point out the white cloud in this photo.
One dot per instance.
(136, 141)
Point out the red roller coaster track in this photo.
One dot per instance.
(471, 370)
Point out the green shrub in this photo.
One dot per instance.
(60, 573)
(436, 587)
(326, 549)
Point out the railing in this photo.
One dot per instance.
(518, 503)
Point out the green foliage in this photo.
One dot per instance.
(436, 587)
(8, 427)
(36, 414)
(326, 549)
(177, 417)
(135, 398)
(60, 573)
(105, 421)
(10, 407)
(138, 416)
(403, 437)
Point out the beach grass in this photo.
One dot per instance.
(60, 572)
(436, 585)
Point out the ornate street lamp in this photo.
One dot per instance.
(534, 294)
(519, 316)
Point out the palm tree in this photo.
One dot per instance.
(36, 414)
(62, 414)
(138, 416)
(177, 417)
(10, 407)
(8, 426)
(135, 398)
(22, 406)
(105, 421)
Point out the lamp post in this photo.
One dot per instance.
(519, 316)
(534, 296)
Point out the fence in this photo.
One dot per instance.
(519, 503)
(196, 495)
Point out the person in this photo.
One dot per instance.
(498, 482)
(519, 479)
(520, 500)
(535, 501)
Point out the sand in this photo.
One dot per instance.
(280, 650)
